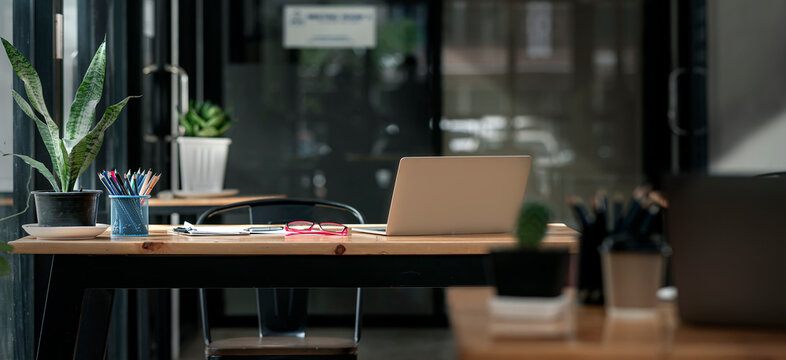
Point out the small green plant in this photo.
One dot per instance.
(72, 154)
(205, 120)
(532, 223)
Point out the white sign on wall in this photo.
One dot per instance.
(329, 26)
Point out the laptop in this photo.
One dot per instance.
(729, 242)
(456, 195)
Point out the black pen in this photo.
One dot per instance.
(262, 230)
(581, 211)
(601, 210)
(635, 208)
(647, 221)
(617, 208)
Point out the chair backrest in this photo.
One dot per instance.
(281, 211)
(282, 312)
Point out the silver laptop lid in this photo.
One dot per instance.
(457, 194)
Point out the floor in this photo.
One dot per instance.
(376, 343)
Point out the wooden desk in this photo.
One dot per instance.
(162, 242)
(6, 201)
(84, 271)
(598, 337)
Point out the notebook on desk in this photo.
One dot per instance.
(455, 195)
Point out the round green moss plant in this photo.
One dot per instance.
(532, 223)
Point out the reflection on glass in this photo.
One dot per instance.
(555, 79)
(9, 229)
(71, 78)
(326, 123)
(6, 104)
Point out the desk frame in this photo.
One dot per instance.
(80, 286)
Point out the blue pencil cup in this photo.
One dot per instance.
(129, 215)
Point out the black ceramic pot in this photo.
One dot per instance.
(76, 208)
(530, 273)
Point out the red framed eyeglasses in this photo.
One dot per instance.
(308, 227)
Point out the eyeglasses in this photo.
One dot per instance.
(308, 227)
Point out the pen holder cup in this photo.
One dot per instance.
(129, 215)
(631, 281)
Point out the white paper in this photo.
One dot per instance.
(214, 230)
(330, 26)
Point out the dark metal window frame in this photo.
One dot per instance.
(34, 36)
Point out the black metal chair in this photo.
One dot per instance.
(282, 313)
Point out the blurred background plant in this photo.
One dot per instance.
(204, 120)
(532, 223)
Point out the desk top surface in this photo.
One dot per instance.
(208, 201)
(599, 337)
(162, 241)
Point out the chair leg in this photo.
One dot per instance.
(282, 312)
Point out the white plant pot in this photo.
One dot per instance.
(203, 162)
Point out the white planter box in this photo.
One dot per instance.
(203, 162)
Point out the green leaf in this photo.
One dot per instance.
(216, 121)
(65, 178)
(83, 108)
(186, 125)
(29, 76)
(4, 246)
(208, 132)
(225, 127)
(211, 111)
(193, 118)
(5, 268)
(49, 141)
(40, 167)
(86, 149)
(25, 71)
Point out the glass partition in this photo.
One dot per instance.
(6, 105)
(319, 122)
(7, 230)
(558, 80)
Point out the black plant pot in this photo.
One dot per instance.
(76, 208)
(530, 273)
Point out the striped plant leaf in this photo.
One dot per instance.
(40, 167)
(25, 71)
(29, 76)
(83, 108)
(65, 178)
(50, 142)
(86, 149)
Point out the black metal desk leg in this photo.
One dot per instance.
(94, 328)
(60, 323)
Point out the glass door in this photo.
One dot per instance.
(326, 122)
(558, 80)
(746, 98)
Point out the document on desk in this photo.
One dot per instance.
(189, 229)
(201, 230)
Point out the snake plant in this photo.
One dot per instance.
(204, 120)
(72, 154)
